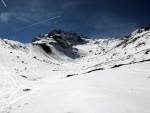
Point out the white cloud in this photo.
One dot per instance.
(4, 17)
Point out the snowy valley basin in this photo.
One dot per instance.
(63, 72)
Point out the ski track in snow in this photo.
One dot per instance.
(12, 91)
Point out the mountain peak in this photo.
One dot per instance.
(141, 30)
(69, 36)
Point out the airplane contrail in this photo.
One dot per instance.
(4, 3)
(36, 23)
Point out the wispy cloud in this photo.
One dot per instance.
(68, 4)
(32, 11)
(4, 17)
(24, 15)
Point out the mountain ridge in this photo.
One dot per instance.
(62, 45)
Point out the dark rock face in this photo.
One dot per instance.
(62, 41)
(133, 38)
(146, 28)
(45, 48)
(58, 34)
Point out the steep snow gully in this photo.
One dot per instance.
(63, 72)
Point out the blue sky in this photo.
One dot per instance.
(93, 18)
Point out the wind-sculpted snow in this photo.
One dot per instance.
(63, 72)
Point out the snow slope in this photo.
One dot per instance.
(62, 72)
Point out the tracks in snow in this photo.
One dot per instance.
(12, 88)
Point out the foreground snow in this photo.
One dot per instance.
(120, 90)
(106, 91)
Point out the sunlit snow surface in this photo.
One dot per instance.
(33, 81)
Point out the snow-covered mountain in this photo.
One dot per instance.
(63, 72)
(134, 48)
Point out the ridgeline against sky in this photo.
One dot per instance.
(94, 18)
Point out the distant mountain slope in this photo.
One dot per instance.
(57, 45)
(61, 46)
(61, 43)
(132, 49)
